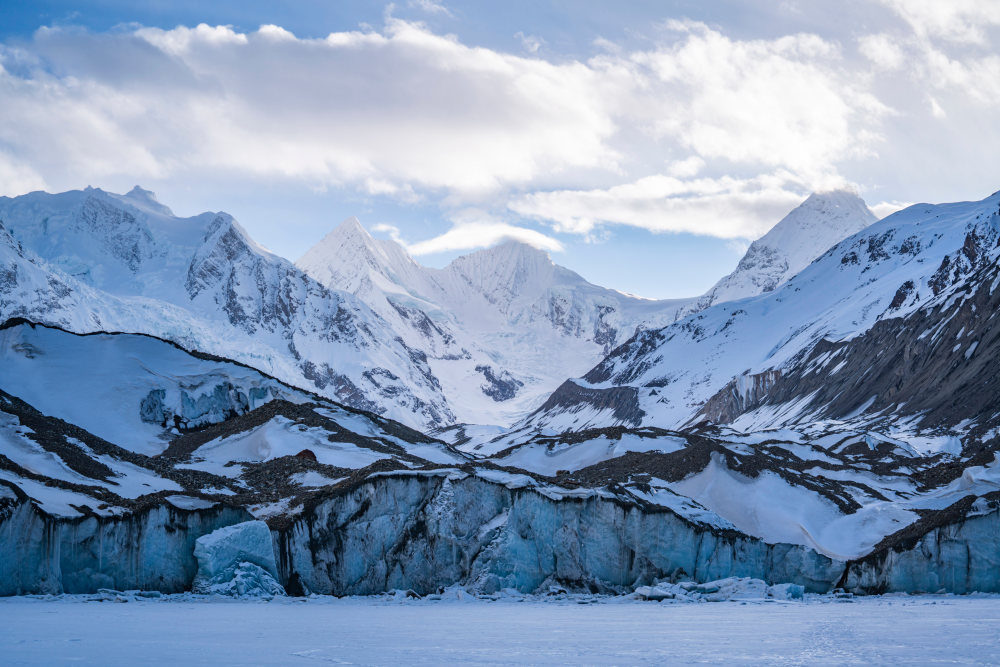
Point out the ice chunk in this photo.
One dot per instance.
(237, 560)
(247, 580)
(731, 588)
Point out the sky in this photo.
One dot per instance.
(644, 144)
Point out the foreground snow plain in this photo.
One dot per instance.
(193, 630)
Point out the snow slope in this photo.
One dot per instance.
(130, 390)
(359, 504)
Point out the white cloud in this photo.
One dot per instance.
(391, 230)
(974, 78)
(882, 50)
(726, 208)
(430, 7)
(384, 112)
(687, 167)
(471, 235)
(406, 113)
(18, 178)
(531, 43)
(181, 39)
(784, 103)
(963, 21)
(936, 109)
(884, 208)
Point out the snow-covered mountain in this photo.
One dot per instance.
(821, 221)
(483, 340)
(94, 261)
(887, 293)
(501, 327)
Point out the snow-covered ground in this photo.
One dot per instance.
(569, 630)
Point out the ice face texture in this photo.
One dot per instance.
(237, 560)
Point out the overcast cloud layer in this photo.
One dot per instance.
(695, 131)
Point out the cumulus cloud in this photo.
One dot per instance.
(726, 208)
(406, 113)
(785, 103)
(385, 112)
(687, 167)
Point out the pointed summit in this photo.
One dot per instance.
(349, 256)
(351, 226)
(822, 220)
(810, 229)
(507, 270)
(349, 233)
(146, 199)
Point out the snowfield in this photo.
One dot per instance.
(588, 630)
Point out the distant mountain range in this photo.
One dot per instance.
(483, 340)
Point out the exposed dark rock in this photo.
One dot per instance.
(622, 401)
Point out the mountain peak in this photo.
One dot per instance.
(510, 266)
(351, 225)
(512, 251)
(147, 200)
(346, 255)
(821, 221)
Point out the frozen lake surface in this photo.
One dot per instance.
(196, 631)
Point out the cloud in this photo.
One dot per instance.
(974, 78)
(430, 7)
(936, 109)
(882, 50)
(18, 178)
(782, 103)
(882, 209)
(391, 230)
(962, 21)
(472, 235)
(531, 43)
(725, 208)
(407, 113)
(385, 112)
(687, 167)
